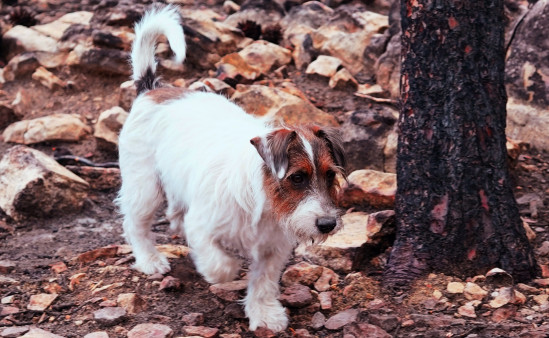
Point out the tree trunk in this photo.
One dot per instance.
(455, 208)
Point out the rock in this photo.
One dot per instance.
(325, 299)
(385, 322)
(58, 267)
(274, 102)
(64, 127)
(326, 280)
(388, 67)
(35, 185)
(7, 114)
(230, 291)
(97, 334)
(109, 124)
(499, 277)
(48, 79)
(263, 332)
(149, 330)
(527, 65)
(8, 310)
(364, 330)
(474, 292)
(170, 283)
(128, 93)
(380, 226)
(230, 7)
(21, 104)
(296, 296)
(369, 188)
(6, 266)
(337, 256)
(108, 303)
(347, 34)
(343, 79)
(234, 310)
(437, 320)
(324, 65)
(455, 287)
(233, 66)
(193, 319)
(502, 296)
(56, 29)
(105, 60)
(14, 331)
(265, 13)
(93, 255)
(503, 313)
(98, 178)
(213, 85)
(265, 55)
(365, 135)
(41, 301)
(201, 331)
(131, 302)
(35, 332)
(109, 316)
(20, 65)
(526, 122)
(23, 39)
(318, 320)
(341, 319)
(302, 272)
(467, 310)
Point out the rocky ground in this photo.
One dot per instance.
(64, 267)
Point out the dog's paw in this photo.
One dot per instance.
(157, 263)
(272, 317)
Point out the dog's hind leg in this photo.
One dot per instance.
(140, 196)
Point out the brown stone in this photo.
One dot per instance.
(41, 301)
(109, 316)
(202, 331)
(149, 330)
(325, 299)
(341, 319)
(193, 319)
(230, 291)
(93, 255)
(296, 295)
(326, 280)
(131, 302)
(302, 272)
(369, 188)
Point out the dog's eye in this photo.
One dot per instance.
(330, 175)
(297, 178)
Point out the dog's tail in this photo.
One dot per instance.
(160, 20)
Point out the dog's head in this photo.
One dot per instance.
(302, 165)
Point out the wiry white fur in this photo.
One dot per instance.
(195, 151)
(156, 22)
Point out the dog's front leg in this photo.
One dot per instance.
(261, 303)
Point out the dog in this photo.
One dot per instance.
(237, 186)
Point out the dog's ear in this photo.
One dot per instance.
(273, 149)
(332, 137)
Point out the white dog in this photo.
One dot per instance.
(236, 185)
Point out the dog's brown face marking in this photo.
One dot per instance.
(314, 157)
(163, 94)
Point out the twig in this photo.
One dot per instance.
(377, 99)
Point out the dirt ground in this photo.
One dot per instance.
(35, 245)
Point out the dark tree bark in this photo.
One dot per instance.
(455, 209)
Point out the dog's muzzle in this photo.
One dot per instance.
(326, 224)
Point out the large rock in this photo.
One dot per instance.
(101, 60)
(265, 55)
(33, 184)
(109, 124)
(150, 330)
(347, 34)
(20, 65)
(65, 127)
(369, 188)
(301, 273)
(365, 137)
(527, 66)
(273, 102)
(528, 123)
(339, 250)
(299, 24)
(23, 39)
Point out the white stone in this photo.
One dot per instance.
(109, 124)
(66, 127)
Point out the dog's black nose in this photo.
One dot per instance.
(326, 224)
